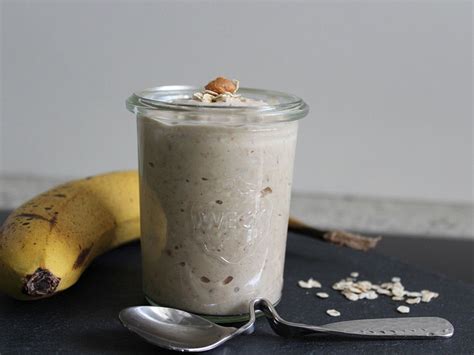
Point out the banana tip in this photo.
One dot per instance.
(41, 283)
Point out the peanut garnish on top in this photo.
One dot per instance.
(222, 85)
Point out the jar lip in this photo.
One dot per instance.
(287, 107)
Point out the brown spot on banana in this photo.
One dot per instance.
(52, 221)
(81, 258)
(33, 216)
(41, 283)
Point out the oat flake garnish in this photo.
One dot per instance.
(322, 295)
(354, 274)
(208, 96)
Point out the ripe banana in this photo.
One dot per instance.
(48, 242)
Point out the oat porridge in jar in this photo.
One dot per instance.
(215, 169)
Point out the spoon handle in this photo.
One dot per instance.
(410, 327)
(393, 328)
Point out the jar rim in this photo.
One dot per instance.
(278, 107)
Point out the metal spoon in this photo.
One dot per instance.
(182, 331)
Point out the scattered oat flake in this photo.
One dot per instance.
(322, 295)
(398, 290)
(309, 284)
(370, 295)
(427, 296)
(333, 313)
(341, 285)
(403, 309)
(365, 284)
(382, 291)
(354, 289)
(354, 274)
(350, 296)
(398, 294)
(413, 300)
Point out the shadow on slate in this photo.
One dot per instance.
(84, 319)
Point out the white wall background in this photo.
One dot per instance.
(389, 84)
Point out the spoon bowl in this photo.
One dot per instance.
(175, 329)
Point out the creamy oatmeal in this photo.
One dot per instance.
(214, 207)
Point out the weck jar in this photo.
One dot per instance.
(215, 186)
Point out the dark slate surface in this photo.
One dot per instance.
(84, 318)
(454, 257)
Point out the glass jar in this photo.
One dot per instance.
(215, 185)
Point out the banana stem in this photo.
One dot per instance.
(338, 237)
